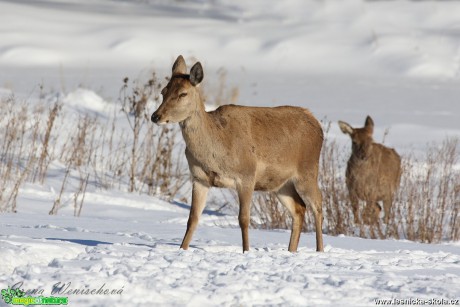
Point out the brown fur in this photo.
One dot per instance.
(373, 171)
(247, 149)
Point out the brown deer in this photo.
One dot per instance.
(373, 172)
(246, 149)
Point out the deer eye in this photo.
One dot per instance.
(182, 95)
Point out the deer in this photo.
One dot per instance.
(247, 149)
(373, 172)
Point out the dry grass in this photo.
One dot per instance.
(428, 204)
(97, 154)
(19, 143)
(337, 212)
(268, 213)
(426, 208)
(154, 160)
(45, 156)
(145, 158)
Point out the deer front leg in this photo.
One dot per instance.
(199, 194)
(245, 198)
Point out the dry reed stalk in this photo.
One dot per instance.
(44, 159)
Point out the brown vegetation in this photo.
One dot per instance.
(100, 155)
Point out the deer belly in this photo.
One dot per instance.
(271, 178)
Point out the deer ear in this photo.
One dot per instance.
(196, 74)
(346, 128)
(179, 67)
(369, 124)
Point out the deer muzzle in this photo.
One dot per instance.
(155, 117)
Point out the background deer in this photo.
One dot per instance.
(247, 149)
(373, 172)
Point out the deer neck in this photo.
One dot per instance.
(362, 153)
(199, 132)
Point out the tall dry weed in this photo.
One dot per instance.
(426, 208)
(149, 159)
(155, 160)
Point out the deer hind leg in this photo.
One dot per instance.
(371, 217)
(387, 202)
(288, 196)
(376, 219)
(375, 211)
(309, 191)
(355, 206)
(245, 198)
(199, 194)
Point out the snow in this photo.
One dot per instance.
(85, 100)
(365, 35)
(135, 248)
(398, 61)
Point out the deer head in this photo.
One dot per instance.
(361, 138)
(180, 95)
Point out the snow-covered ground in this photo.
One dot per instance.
(398, 61)
(131, 243)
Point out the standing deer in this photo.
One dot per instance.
(246, 149)
(373, 171)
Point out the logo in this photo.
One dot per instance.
(16, 297)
